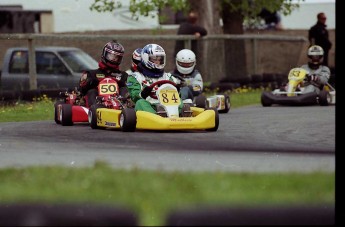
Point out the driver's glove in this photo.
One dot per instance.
(312, 77)
(146, 92)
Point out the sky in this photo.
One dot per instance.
(75, 15)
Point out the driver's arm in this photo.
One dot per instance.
(134, 88)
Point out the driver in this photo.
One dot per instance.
(191, 80)
(136, 58)
(108, 66)
(318, 74)
(149, 70)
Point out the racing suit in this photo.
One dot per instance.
(191, 86)
(322, 74)
(90, 79)
(140, 79)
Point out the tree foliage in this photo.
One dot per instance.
(249, 9)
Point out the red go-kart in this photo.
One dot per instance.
(72, 108)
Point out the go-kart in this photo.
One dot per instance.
(167, 117)
(292, 94)
(109, 105)
(221, 102)
(72, 107)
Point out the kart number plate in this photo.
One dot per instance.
(297, 74)
(169, 97)
(108, 89)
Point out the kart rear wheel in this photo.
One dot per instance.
(128, 120)
(200, 101)
(215, 128)
(92, 115)
(265, 101)
(227, 104)
(56, 111)
(324, 98)
(66, 114)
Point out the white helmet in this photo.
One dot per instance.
(153, 57)
(315, 55)
(185, 61)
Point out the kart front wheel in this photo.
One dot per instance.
(324, 98)
(200, 101)
(128, 120)
(265, 101)
(92, 115)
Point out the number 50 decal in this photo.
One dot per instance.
(110, 88)
(169, 97)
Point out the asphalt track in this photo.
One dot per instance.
(250, 139)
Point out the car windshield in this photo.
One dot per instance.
(78, 60)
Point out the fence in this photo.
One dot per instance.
(263, 53)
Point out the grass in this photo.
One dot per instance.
(153, 194)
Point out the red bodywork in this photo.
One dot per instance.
(74, 107)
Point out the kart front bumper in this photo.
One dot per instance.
(267, 99)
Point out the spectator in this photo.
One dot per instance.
(190, 27)
(272, 19)
(318, 35)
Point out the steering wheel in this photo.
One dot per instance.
(158, 83)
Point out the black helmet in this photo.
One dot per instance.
(112, 54)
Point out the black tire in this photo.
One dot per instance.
(200, 101)
(215, 128)
(265, 101)
(56, 113)
(324, 98)
(66, 115)
(92, 115)
(128, 120)
(227, 104)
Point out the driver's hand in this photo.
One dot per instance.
(146, 92)
(312, 77)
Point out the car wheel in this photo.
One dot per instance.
(92, 115)
(215, 128)
(265, 101)
(200, 101)
(66, 114)
(324, 98)
(227, 104)
(56, 111)
(128, 120)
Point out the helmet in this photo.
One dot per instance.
(315, 55)
(185, 61)
(153, 57)
(136, 58)
(112, 54)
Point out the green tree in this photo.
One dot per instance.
(232, 13)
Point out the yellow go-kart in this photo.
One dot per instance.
(293, 94)
(167, 117)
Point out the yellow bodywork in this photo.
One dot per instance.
(201, 120)
(296, 77)
(108, 118)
